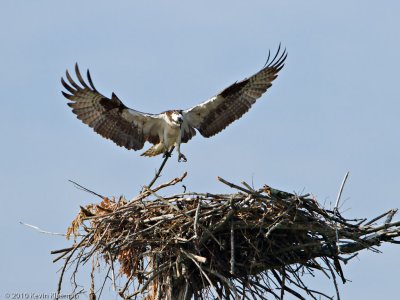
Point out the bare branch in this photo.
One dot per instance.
(158, 173)
(41, 230)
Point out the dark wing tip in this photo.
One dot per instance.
(68, 96)
(90, 81)
(278, 61)
(72, 87)
(72, 82)
(79, 76)
(67, 86)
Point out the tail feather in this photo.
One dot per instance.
(154, 150)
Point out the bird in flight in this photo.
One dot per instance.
(130, 128)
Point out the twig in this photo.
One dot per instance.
(293, 292)
(345, 260)
(65, 266)
(334, 278)
(41, 230)
(149, 280)
(122, 291)
(201, 269)
(80, 187)
(378, 217)
(336, 209)
(232, 261)
(248, 186)
(65, 252)
(283, 283)
(224, 279)
(92, 294)
(196, 220)
(390, 216)
(158, 174)
(232, 185)
(384, 226)
(112, 270)
(102, 286)
(61, 250)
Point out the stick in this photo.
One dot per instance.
(80, 187)
(201, 270)
(378, 217)
(232, 185)
(154, 274)
(41, 230)
(336, 209)
(334, 278)
(66, 264)
(232, 261)
(112, 271)
(283, 283)
(158, 174)
(196, 220)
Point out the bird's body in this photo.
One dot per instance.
(170, 133)
(130, 128)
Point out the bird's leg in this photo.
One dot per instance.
(181, 157)
(167, 152)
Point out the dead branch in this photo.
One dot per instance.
(158, 173)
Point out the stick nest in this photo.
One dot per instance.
(255, 244)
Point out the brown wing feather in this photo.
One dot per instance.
(108, 117)
(214, 115)
(187, 133)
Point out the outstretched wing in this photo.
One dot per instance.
(110, 117)
(215, 114)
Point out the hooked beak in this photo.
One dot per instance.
(180, 121)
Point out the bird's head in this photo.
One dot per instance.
(176, 117)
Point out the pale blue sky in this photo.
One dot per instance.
(334, 108)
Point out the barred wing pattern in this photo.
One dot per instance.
(110, 117)
(215, 114)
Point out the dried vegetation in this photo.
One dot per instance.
(251, 244)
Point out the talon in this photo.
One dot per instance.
(182, 158)
(166, 154)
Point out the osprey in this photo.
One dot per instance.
(130, 128)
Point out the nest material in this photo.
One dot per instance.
(253, 244)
